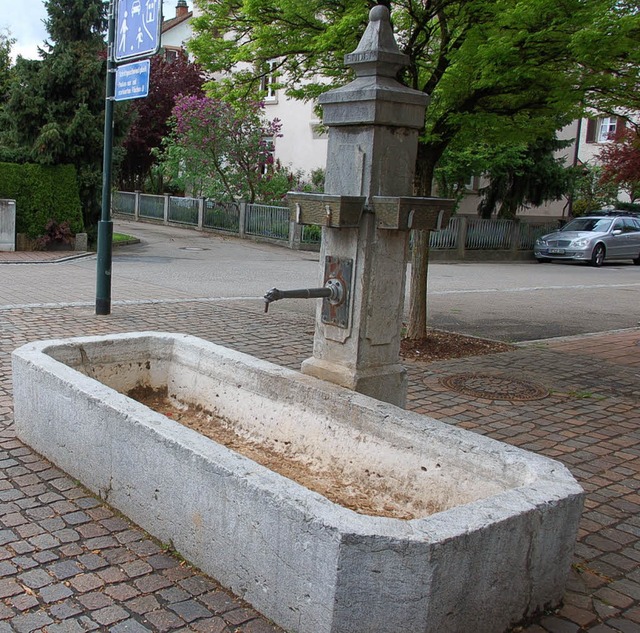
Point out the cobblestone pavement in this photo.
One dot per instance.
(69, 563)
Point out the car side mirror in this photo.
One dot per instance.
(616, 232)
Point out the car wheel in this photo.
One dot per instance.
(636, 261)
(597, 257)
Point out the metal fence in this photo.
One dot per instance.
(529, 233)
(124, 202)
(151, 207)
(267, 221)
(183, 211)
(446, 238)
(463, 233)
(221, 216)
(492, 235)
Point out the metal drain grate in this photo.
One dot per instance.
(494, 387)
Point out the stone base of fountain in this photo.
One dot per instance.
(497, 548)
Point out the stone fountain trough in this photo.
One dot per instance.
(495, 526)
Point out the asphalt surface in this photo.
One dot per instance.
(69, 563)
(506, 301)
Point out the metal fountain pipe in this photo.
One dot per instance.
(333, 290)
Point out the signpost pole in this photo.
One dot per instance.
(105, 225)
(121, 48)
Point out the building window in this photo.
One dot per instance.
(471, 184)
(171, 54)
(603, 129)
(268, 81)
(606, 128)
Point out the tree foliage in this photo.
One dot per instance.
(621, 162)
(150, 116)
(55, 111)
(524, 177)
(590, 193)
(218, 148)
(42, 194)
(499, 72)
(6, 43)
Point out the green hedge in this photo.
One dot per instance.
(42, 193)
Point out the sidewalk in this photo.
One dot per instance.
(68, 563)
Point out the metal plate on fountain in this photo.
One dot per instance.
(340, 269)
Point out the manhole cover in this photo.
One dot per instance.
(494, 387)
(192, 248)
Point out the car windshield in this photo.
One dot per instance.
(599, 225)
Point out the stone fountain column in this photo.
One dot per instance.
(373, 138)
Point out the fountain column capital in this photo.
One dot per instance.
(375, 97)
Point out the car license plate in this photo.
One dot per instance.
(556, 251)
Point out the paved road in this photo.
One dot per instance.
(522, 301)
(505, 301)
(69, 563)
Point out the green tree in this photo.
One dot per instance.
(55, 111)
(6, 43)
(590, 192)
(499, 72)
(151, 116)
(220, 149)
(521, 177)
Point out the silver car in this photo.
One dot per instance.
(593, 239)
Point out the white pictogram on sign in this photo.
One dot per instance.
(138, 28)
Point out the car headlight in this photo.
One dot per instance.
(581, 242)
(540, 242)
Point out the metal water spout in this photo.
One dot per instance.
(334, 291)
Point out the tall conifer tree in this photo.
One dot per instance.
(56, 106)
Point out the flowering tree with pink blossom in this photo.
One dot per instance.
(219, 149)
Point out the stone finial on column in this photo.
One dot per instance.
(377, 53)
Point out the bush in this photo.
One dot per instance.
(628, 206)
(54, 234)
(42, 194)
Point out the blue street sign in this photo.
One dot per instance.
(138, 28)
(132, 80)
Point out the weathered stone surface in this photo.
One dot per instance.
(499, 551)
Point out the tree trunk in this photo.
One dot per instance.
(417, 324)
(417, 321)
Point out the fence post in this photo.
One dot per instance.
(201, 203)
(461, 238)
(515, 236)
(166, 209)
(136, 206)
(295, 235)
(242, 219)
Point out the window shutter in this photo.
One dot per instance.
(591, 130)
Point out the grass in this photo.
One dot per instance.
(122, 237)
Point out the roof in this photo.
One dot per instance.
(167, 25)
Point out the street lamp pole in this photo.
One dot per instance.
(105, 225)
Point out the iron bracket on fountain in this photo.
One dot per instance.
(407, 213)
(400, 213)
